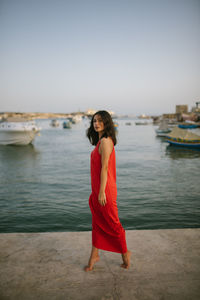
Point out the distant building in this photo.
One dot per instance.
(112, 113)
(169, 116)
(91, 112)
(181, 109)
(143, 116)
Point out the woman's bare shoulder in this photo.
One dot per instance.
(107, 141)
(106, 145)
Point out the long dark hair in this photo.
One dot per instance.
(109, 129)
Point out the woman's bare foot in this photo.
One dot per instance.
(91, 263)
(94, 257)
(126, 259)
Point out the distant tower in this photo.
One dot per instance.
(181, 109)
(197, 104)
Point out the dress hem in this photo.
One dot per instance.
(108, 250)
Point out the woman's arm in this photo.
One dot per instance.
(105, 149)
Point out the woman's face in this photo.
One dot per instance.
(98, 124)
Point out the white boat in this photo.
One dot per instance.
(142, 123)
(54, 123)
(75, 119)
(163, 129)
(17, 131)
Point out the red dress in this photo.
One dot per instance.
(107, 231)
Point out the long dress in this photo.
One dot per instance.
(107, 231)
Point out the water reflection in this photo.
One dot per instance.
(162, 139)
(16, 153)
(180, 152)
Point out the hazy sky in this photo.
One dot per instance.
(130, 56)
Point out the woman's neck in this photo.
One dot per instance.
(100, 135)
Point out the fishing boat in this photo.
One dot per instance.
(183, 138)
(75, 119)
(17, 131)
(141, 123)
(54, 123)
(67, 124)
(188, 125)
(163, 129)
(116, 125)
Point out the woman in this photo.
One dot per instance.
(107, 231)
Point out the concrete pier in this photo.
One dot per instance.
(48, 266)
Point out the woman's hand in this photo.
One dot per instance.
(102, 198)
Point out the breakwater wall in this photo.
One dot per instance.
(165, 265)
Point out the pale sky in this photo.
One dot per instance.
(129, 56)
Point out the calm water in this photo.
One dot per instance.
(46, 187)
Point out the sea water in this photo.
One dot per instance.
(45, 187)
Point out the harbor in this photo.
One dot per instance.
(165, 265)
(158, 185)
(20, 128)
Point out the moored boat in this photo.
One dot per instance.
(116, 125)
(75, 119)
(183, 138)
(141, 123)
(188, 125)
(163, 129)
(54, 123)
(17, 131)
(67, 124)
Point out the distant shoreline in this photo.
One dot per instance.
(39, 115)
